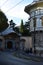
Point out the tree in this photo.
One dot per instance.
(12, 24)
(27, 25)
(25, 29)
(16, 29)
(22, 27)
(3, 21)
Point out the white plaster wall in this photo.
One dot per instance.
(28, 42)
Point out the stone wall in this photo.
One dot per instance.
(38, 41)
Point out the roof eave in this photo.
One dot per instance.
(31, 6)
(27, 9)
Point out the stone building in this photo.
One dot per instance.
(9, 39)
(35, 10)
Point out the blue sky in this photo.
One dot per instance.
(15, 11)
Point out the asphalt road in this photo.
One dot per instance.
(8, 59)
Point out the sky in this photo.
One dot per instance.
(14, 9)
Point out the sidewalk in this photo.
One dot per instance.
(29, 57)
(26, 56)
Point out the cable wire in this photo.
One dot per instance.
(14, 6)
(4, 3)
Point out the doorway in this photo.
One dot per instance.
(9, 45)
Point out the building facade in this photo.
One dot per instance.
(26, 42)
(35, 10)
(9, 39)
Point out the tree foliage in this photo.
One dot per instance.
(27, 29)
(3, 21)
(24, 29)
(17, 29)
(21, 27)
(12, 24)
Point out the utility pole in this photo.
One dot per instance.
(34, 33)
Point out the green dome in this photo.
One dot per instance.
(3, 21)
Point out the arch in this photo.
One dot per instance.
(10, 44)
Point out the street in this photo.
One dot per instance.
(8, 59)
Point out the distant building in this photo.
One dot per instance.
(9, 39)
(35, 10)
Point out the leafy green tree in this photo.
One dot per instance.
(3, 21)
(21, 27)
(16, 29)
(12, 24)
(27, 25)
(25, 29)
